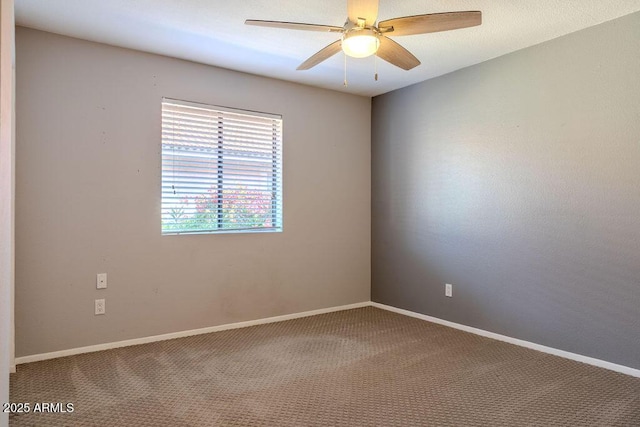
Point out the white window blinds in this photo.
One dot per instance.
(221, 169)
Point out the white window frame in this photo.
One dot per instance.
(208, 145)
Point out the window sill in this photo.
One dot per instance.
(245, 231)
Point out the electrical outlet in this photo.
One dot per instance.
(448, 290)
(101, 281)
(100, 306)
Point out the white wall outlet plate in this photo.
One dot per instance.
(101, 281)
(100, 306)
(448, 290)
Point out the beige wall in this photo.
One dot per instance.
(7, 182)
(88, 200)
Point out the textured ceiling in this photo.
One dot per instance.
(213, 32)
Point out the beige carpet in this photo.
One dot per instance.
(363, 367)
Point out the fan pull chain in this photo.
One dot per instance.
(375, 65)
(345, 70)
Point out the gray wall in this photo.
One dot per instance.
(88, 200)
(518, 180)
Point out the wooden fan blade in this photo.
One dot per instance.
(324, 53)
(365, 9)
(395, 54)
(294, 26)
(430, 23)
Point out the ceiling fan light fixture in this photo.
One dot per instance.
(360, 40)
(360, 43)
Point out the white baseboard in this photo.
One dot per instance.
(136, 341)
(181, 334)
(550, 350)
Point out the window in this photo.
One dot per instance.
(221, 169)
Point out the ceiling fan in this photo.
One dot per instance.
(361, 37)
